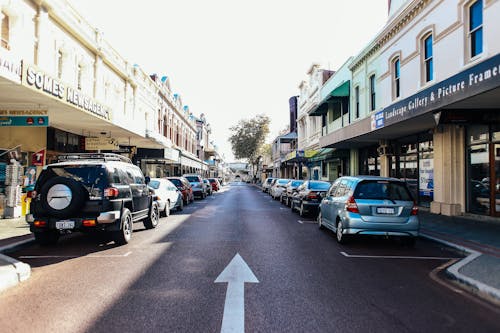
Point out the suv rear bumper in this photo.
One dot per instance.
(103, 218)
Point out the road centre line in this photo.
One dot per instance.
(394, 257)
(75, 256)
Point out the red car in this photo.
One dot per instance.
(215, 184)
(183, 185)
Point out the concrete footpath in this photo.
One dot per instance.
(477, 237)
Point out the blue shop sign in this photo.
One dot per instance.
(29, 121)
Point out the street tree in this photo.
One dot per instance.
(247, 138)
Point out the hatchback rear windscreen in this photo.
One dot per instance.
(319, 186)
(176, 182)
(381, 190)
(192, 179)
(155, 184)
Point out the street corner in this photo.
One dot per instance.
(12, 272)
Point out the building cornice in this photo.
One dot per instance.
(395, 25)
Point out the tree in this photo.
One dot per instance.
(248, 136)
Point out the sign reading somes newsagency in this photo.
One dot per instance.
(44, 83)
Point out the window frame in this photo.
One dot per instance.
(371, 83)
(356, 101)
(472, 33)
(396, 76)
(427, 60)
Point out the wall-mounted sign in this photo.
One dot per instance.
(40, 81)
(31, 121)
(101, 144)
(10, 67)
(473, 81)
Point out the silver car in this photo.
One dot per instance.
(369, 205)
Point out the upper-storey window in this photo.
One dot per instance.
(5, 31)
(428, 59)
(59, 63)
(476, 28)
(372, 92)
(396, 92)
(79, 70)
(356, 96)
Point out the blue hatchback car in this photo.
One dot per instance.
(369, 205)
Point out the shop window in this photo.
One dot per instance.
(79, 77)
(5, 31)
(475, 31)
(428, 65)
(372, 92)
(324, 169)
(395, 78)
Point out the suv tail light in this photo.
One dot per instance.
(312, 195)
(414, 210)
(351, 205)
(111, 192)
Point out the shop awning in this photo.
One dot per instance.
(292, 136)
(322, 155)
(341, 91)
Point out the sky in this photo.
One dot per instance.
(234, 59)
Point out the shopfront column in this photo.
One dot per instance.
(449, 170)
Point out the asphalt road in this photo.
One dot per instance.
(163, 281)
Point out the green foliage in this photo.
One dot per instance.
(248, 136)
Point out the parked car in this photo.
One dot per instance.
(208, 187)
(290, 189)
(85, 191)
(278, 188)
(167, 195)
(214, 182)
(199, 187)
(267, 184)
(309, 195)
(369, 205)
(185, 187)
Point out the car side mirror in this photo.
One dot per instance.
(148, 179)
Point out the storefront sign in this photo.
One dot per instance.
(475, 80)
(31, 121)
(38, 158)
(40, 81)
(10, 67)
(101, 144)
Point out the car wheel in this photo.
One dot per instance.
(292, 206)
(341, 238)
(302, 212)
(181, 206)
(320, 222)
(46, 238)
(166, 212)
(152, 220)
(122, 236)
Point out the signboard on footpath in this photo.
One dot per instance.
(475, 80)
(38, 80)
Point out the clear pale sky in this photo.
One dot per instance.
(233, 59)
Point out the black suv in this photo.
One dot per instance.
(91, 192)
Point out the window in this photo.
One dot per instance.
(79, 77)
(372, 92)
(59, 64)
(5, 31)
(356, 96)
(395, 79)
(476, 28)
(428, 59)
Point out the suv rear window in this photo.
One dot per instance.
(382, 189)
(193, 179)
(89, 176)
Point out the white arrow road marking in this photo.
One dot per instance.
(235, 275)
(87, 256)
(394, 257)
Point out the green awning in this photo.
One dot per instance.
(322, 155)
(340, 91)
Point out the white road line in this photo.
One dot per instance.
(307, 221)
(74, 256)
(394, 257)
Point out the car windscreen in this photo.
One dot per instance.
(154, 184)
(382, 190)
(192, 179)
(319, 186)
(176, 182)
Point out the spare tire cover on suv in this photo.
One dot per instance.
(61, 197)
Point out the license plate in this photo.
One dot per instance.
(65, 224)
(385, 210)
